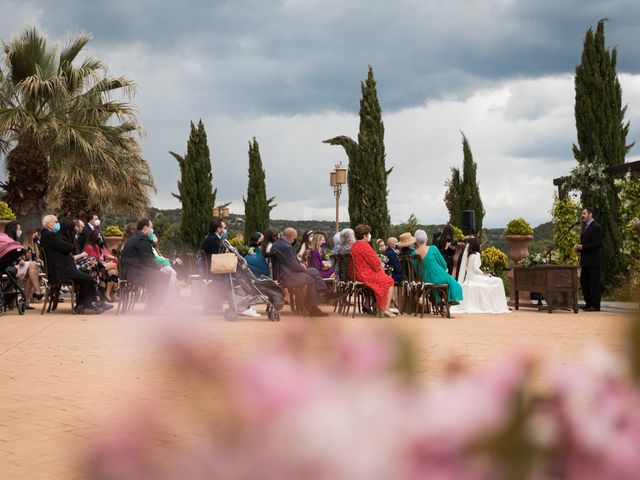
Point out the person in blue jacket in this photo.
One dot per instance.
(392, 254)
(255, 260)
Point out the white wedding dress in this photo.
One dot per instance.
(481, 293)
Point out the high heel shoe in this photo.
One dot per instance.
(388, 314)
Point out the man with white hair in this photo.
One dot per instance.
(293, 274)
(61, 266)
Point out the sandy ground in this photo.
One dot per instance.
(63, 376)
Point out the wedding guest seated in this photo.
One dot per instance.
(94, 248)
(86, 263)
(80, 240)
(129, 231)
(307, 237)
(61, 265)
(406, 244)
(336, 244)
(394, 262)
(138, 264)
(483, 293)
(369, 269)
(28, 269)
(380, 246)
(293, 274)
(346, 239)
(315, 256)
(270, 237)
(435, 267)
(93, 223)
(255, 258)
(446, 245)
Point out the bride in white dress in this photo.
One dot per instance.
(482, 292)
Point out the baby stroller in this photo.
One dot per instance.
(245, 284)
(10, 290)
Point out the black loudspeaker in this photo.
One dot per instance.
(468, 222)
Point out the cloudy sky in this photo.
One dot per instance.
(289, 72)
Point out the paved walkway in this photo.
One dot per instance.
(63, 376)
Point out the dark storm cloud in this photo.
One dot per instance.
(303, 56)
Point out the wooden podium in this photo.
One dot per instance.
(557, 283)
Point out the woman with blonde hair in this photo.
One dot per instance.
(315, 256)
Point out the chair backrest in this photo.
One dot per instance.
(276, 261)
(412, 268)
(345, 267)
(205, 259)
(49, 274)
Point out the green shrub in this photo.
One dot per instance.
(458, 236)
(494, 260)
(629, 209)
(112, 231)
(5, 212)
(564, 215)
(518, 226)
(238, 242)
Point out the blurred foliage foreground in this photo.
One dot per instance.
(360, 410)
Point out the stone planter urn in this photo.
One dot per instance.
(112, 242)
(519, 248)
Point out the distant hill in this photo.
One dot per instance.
(167, 223)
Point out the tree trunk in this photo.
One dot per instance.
(27, 182)
(77, 204)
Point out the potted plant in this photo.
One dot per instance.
(518, 233)
(6, 215)
(112, 236)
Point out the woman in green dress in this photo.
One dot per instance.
(435, 267)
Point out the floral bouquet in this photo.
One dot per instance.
(534, 259)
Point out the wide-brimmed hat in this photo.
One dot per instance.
(406, 239)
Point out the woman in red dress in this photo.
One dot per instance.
(369, 269)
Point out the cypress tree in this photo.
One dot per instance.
(257, 206)
(367, 176)
(602, 134)
(195, 189)
(469, 190)
(452, 197)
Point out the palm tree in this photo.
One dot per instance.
(60, 129)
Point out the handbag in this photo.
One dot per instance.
(224, 263)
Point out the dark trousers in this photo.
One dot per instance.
(590, 284)
(315, 284)
(86, 288)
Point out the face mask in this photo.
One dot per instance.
(97, 223)
(294, 242)
(18, 233)
(323, 245)
(367, 238)
(151, 234)
(225, 234)
(56, 228)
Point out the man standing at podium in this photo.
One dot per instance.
(590, 250)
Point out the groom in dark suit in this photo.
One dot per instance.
(590, 250)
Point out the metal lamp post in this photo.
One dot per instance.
(338, 178)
